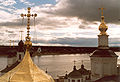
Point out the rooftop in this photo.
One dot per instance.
(103, 53)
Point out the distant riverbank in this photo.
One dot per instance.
(53, 50)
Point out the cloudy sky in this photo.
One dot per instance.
(59, 22)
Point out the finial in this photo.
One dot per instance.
(28, 8)
(74, 62)
(103, 28)
(82, 66)
(28, 43)
(102, 17)
(74, 68)
(101, 11)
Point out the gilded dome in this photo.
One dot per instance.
(26, 71)
(103, 28)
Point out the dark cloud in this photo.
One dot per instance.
(45, 22)
(83, 9)
(75, 41)
(54, 23)
(13, 24)
(88, 9)
(78, 42)
(16, 23)
(85, 24)
(85, 42)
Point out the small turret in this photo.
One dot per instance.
(21, 44)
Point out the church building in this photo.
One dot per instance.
(103, 60)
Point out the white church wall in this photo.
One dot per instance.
(14, 59)
(103, 66)
(10, 61)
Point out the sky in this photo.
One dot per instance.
(59, 22)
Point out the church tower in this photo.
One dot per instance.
(20, 51)
(103, 60)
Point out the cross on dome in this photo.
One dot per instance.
(101, 11)
(28, 43)
(103, 28)
(74, 62)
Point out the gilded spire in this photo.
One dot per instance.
(28, 43)
(103, 28)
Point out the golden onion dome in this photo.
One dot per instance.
(26, 71)
(103, 28)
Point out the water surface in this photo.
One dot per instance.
(57, 65)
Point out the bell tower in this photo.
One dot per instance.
(103, 60)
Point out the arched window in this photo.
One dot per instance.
(73, 80)
(78, 81)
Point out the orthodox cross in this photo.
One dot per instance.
(21, 34)
(28, 15)
(101, 11)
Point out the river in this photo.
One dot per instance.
(57, 65)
